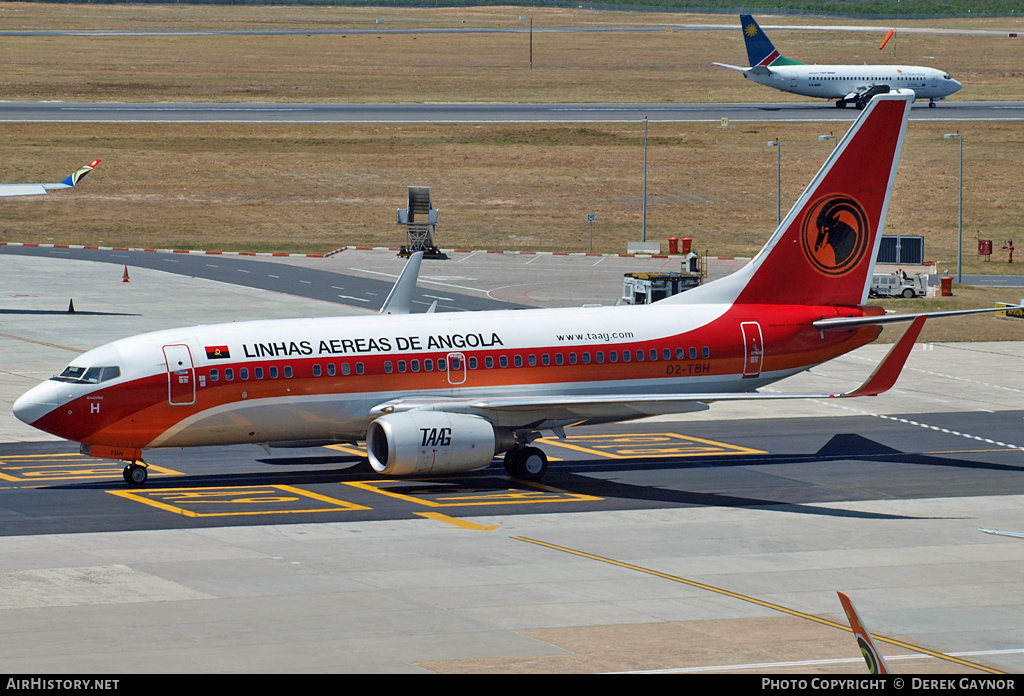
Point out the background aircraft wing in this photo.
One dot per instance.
(37, 189)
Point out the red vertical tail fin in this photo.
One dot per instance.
(824, 250)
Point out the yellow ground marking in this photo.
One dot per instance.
(173, 500)
(36, 468)
(349, 449)
(543, 494)
(41, 343)
(631, 446)
(464, 524)
(759, 602)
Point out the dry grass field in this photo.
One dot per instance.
(314, 188)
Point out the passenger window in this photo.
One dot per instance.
(572, 358)
(626, 356)
(545, 360)
(654, 353)
(317, 371)
(441, 365)
(273, 373)
(693, 354)
(243, 373)
(518, 360)
(639, 356)
(613, 356)
(600, 357)
(414, 365)
(586, 357)
(503, 361)
(214, 375)
(706, 351)
(288, 371)
(346, 369)
(257, 372)
(229, 375)
(559, 360)
(401, 366)
(331, 370)
(359, 368)
(388, 366)
(533, 360)
(472, 363)
(428, 365)
(666, 354)
(680, 353)
(489, 362)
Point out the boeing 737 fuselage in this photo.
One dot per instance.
(438, 393)
(847, 84)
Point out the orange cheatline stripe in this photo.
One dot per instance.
(752, 600)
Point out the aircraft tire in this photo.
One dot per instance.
(931, 105)
(840, 103)
(528, 463)
(135, 474)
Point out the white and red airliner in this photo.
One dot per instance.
(438, 393)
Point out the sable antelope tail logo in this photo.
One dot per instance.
(835, 235)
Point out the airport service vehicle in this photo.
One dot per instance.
(847, 84)
(437, 393)
(38, 189)
(899, 285)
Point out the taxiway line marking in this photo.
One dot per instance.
(464, 524)
(753, 600)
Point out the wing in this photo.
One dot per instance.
(37, 189)
(560, 410)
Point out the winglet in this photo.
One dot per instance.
(876, 663)
(888, 371)
(400, 298)
(74, 178)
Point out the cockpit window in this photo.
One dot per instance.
(946, 77)
(88, 375)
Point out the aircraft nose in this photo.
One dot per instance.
(37, 402)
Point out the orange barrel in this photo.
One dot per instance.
(947, 286)
(687, 243)
(673, 245)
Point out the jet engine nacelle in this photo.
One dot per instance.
(429, 442)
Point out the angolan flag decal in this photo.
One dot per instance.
(217, 352)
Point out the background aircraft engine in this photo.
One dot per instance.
(422, 442)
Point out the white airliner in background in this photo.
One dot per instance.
(440, 393)
(37, 189)
(847, 84)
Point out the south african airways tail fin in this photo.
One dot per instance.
(876, 663)
(823, 252)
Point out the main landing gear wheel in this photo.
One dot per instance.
(840, 103)
(529, 463)
(135, 474)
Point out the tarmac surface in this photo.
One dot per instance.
(673, 564)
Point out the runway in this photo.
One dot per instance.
(167, 112)
(711, 543)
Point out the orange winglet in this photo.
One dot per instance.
(888, 371)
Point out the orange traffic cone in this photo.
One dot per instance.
(125, 278)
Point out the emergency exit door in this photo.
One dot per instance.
(181, 375)
(753, 348)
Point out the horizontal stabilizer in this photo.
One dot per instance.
(884, 319)
(731, 67)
